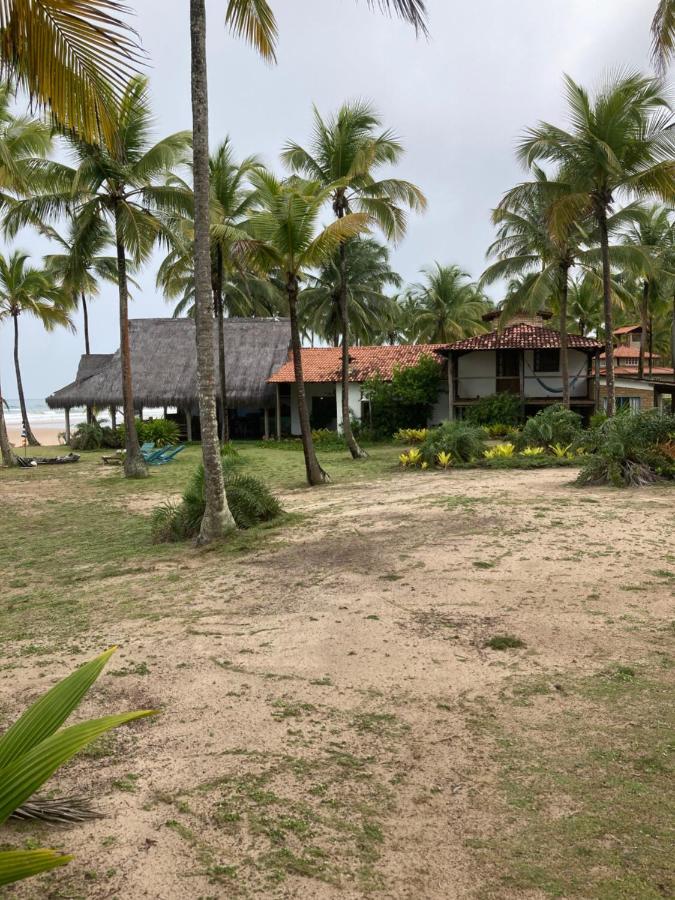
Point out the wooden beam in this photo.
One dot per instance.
(267, 423)
(188, 424)
(67, 424)
(451, 386)
(113, 417)
(278, 413)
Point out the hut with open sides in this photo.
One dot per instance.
(164, 373)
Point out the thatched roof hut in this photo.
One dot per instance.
(164, 366)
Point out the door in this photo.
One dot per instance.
(508, 371)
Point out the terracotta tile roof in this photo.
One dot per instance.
(629, 353)
(323, 364)
(627, 329)
(524, 337)
(632, 372)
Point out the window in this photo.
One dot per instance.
(547, 360)
(630, 403)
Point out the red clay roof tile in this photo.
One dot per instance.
(524, 337)
(323, 364)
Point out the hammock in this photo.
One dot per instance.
(555, 390)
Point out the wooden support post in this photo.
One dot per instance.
(267, 423)
(522, 383)
(113, 417)
(165, 413)
(451, 386)
(597, 382)
(67, 424)
(188, 424)
(278, 413)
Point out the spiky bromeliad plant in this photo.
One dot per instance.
(34, 747)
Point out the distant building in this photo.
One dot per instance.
(655, 388)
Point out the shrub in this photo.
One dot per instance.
(628, 449)
(412, 458)
(501, 451)
(87, 436)
(36, 745)
(561, 451)
(406, 401)
(444, 460)
(411, 435)
(503, 409)
(533, 451)
(462, 441)
(499, 430)
(249, 499)
(162, 432)
(553, 425)
(326, 439)
(505, 642)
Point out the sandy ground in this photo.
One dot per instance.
(315, 693)
(48, 435)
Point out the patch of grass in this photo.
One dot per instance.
(505, 642)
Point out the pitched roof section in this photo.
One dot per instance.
(164, 365)
(323, 364)
(524, 337)
(628, 329)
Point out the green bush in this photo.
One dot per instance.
(162, 432)
(406, 401)
(249, 499)
(504, 409)
(87, 436)
(629, 450)
(326, 439)
(462, 441)
(553, 425)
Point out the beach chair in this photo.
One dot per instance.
(152, 455)
(167, 455)
(147, 447)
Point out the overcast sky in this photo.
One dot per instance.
(458, 102)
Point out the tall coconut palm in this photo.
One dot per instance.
(254, 21)
(620, 143)
(5, 449)
(585, 303)
(25, 290)
(544, 258)
(124, 185)
(23, 140)
(348, 150)
(368, 273)
(73, 57)
(450, 305)
(286, 237)
(653, 233)
(663, 33)
(81, 265)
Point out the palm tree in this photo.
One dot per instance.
(29, 291)
(23, 140)
(653, 233)
(285, 237)
(123, 185)
(620, 142)
(253, 20)
(368, 273)
(663, 33)
(73, 57)
(450, 306)
(584, 306)
(81, 265)
(5, 449)
(347, 150)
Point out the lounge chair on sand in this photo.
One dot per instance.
(147, 447)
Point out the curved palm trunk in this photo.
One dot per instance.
(85, 316)
(607, 299)
(220, 315)
(564, 355)
(5, 449)
(644, 325)
(30, 437)
(315, 474)
(217, 516)
(134, 464)
(354, 449)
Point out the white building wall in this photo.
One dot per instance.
(477, 371)
(354, 403)
(536, 386)
(441, 410)
(312, 389)
(476, 375)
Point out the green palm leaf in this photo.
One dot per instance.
(18, 864)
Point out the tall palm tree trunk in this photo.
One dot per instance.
(651, 344)
(607, 299)
(134, 464)
(217, 516)
(644, 325)
(220, 314)
(564, 355)
(672, 344)
(354, 449)
(30, 437)
(85, 316)
(315, 474)
(5, 449)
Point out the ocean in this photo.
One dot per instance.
(41, 416)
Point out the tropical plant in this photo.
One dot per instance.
(561, 451)
(462, 441)
(628, 450)
(553, 425)
(368, 273)
(345, 155)
(121, 182)
(495, 409)
(411, 458)
(285, 237)
(249, 499)
(449, 305)
(444, 459)
(501, 451)
(254, 21)
(663, 33)
(620, 142)
(25, 290)
(23, 142)
(404, 402)
(533, 451)
(411, 435)
(36, 745)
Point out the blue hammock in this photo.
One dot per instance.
(555, 390)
